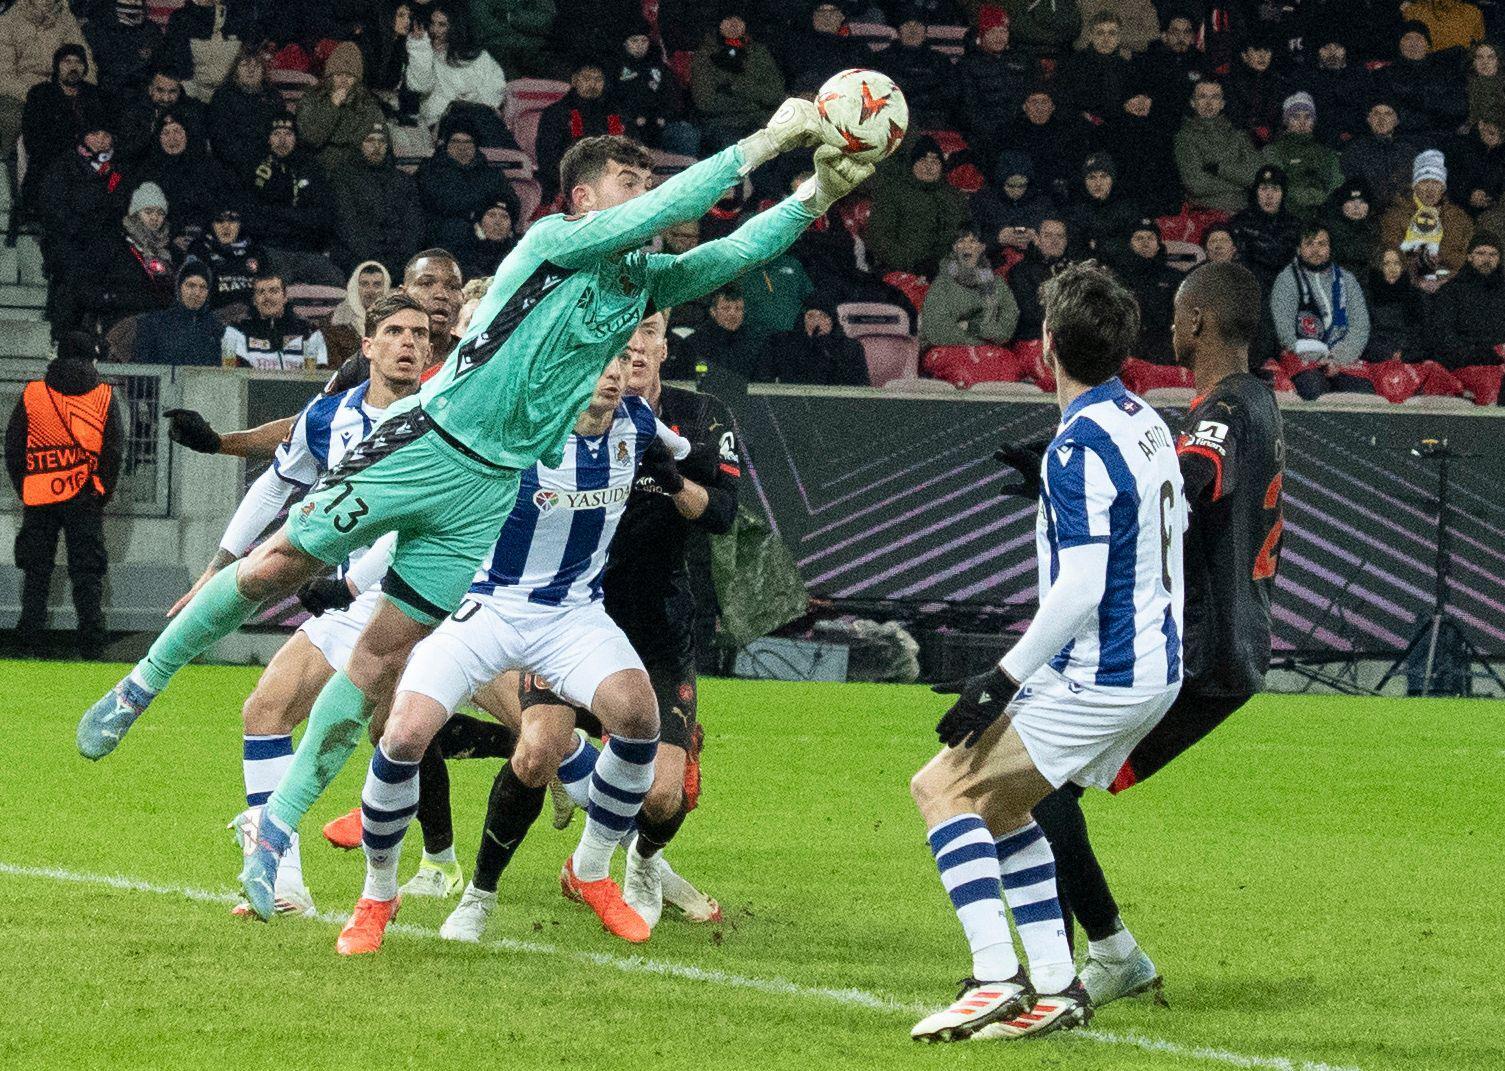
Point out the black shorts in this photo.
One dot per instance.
(673, 686)
(1192, 716)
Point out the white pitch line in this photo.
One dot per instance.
(854, 998)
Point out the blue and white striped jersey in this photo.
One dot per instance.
(1111, 476)
(552, 549)
(326, 430)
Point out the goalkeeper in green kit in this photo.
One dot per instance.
(443, 472)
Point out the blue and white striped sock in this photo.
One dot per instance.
(264, 761)
(623, 775)
(388, 804)
(963, 850)
(575, 772)
(1029, 885)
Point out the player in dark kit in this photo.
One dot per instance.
(1232, 456)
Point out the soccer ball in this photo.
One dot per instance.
(863, 113)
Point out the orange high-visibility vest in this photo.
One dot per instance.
(64, 435)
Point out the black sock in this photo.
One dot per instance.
(512, 808)
(433, 802)
(654, 837)
(464, 737)
(1079, 878)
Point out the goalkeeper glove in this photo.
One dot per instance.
(981, 701)
(325, 593)
(192, 430)
(796, 125)
(658, 464)
(1025, 458)
(836, 175)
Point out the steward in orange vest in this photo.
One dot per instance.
(63, 449)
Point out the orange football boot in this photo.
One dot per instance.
(692, 768)
(363, 933)
(344, 831)
(604, 897)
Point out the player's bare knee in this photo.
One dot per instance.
(539, 752)
(664, 800)
(626, 705)
(264, 714)
(274, 568)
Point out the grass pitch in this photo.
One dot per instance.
(1318, 883)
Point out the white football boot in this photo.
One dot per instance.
(978, 1005)
(467, 922)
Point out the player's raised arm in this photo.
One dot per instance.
(581, 239)
(673, 279)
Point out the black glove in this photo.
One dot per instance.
(700, 466)
(1025, 458)
(192, 430)
(325, 593)
(1211, 167)
(981, 702)
(659, 464)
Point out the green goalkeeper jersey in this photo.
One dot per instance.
(566, 299)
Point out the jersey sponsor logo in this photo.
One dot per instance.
(728, 447)
(1128, 405)
(1210, 433)
(546, 500)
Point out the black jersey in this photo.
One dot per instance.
(1232, 455)
(646, 585)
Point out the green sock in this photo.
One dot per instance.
(335, 728)
(216, 611)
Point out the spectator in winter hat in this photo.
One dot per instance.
(816, 350)
(916, 214)
(581, 113)
(1257, 86)
(131, 269)
(992, 79)
(1338, 83)
(1266, 232)
(455, 185)
(1153, 282)
(1102, 219)
(1173, 64)
(491, 238)
(1012, 218)
(1056, 139)
(55, 114)
(1353, 226)
(1311, 168)
(1143, 130)
(734, 81)
(83, 195)
(33, 31)
(334, 116)
(141, 118)
(240, 110)
(379, 215)
(232, 257)
(647, 94)
(1470, 310)
(1430, 230)
(1423, 85)
(188, 333)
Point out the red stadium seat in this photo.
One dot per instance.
(890, 357)
(514, 163)
(292, 84)
(1141, 376)
(914, 287)
(950, 141)
(522, 105)
(963, 366)
(1189, 224)
(159, 11)
(679, 63)
(948, 40)
(1030, 353)
(1482, 382)
(860, 319)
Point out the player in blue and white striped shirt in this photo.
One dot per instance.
(1096, 669)
(536, 605)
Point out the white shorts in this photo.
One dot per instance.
(1076, 732)
(334, 632)
(573, 649)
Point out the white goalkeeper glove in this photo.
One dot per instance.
(836, 175)
(796, 125)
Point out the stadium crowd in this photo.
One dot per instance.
(190, 166)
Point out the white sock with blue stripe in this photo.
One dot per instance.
(1029, 885)
(575, 772)
(623, 775)
(388, 804)
(964, 853)
(264, 761)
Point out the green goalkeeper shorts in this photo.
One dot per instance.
(446, 505)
